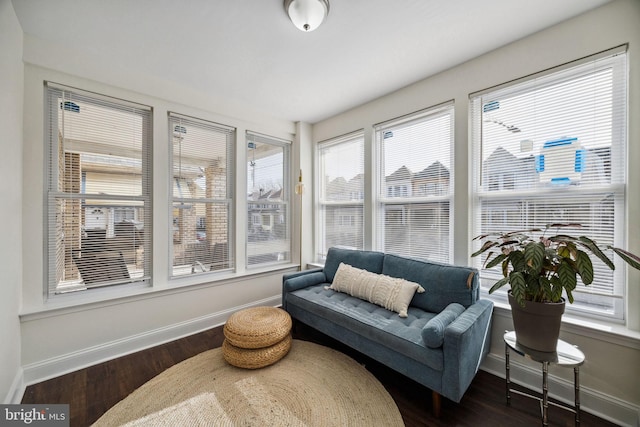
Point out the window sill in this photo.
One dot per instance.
(612, 333)
(99, 298)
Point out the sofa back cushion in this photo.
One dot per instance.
(366, 260)
(443, 283)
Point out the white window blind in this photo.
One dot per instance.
(202, 195)
(268, 200)
(340, 195)
(551, 149)
(415, 184)
(98, 222)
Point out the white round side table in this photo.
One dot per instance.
(566, 355)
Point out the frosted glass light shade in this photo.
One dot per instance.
(307, 15)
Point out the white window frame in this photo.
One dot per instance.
(613, 58)
(354, 140)
(282, 207)
(54, 237)
(218, 257)
(397, 196)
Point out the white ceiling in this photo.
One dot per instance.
(247, 51)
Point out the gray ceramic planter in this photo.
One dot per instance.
(537, 324)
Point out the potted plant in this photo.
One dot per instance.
(541, 271)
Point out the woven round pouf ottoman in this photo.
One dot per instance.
(256, 337)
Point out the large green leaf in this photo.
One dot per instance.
(585, 267)
(563, 252)
(563, 238)
(517, 260)
(567, 276)
(556, 293)
(518, 286)
(485, 246)
(535, 287)
(500, 283)
(534, 256)
(564, 225)
(569, 296)
(505, 267)
(495, 261)
(556, 290)
(632, 259)
(593, 247)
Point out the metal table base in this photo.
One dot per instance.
(566, 355)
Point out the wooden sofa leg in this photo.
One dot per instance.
(436, 399)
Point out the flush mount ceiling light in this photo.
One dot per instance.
(307, 15)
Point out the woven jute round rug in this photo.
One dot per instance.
(311, 386)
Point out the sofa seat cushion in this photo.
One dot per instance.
(401, 335)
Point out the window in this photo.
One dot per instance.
(202, 195)
(98, 221)
(551, 149)
(415, 184)
(268, 200)
(340, 195)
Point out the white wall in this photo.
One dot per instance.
(67, 333)
(58, 339)
(610, 375)
(11, 87)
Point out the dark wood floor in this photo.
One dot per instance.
(92, 391)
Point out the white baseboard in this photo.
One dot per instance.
(602, 405)
(16, 391)
(64, 364)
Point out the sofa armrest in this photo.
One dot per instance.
(287, 276)
(433, 332)
(299, 280)
(466, 342)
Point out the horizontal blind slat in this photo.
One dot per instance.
(201, 186)
(415, 184)
(99, 205)
(268, 200)
(551, 150)
(340, 195)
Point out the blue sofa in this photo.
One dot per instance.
(440, 344)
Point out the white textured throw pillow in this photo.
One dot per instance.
(389, 292)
